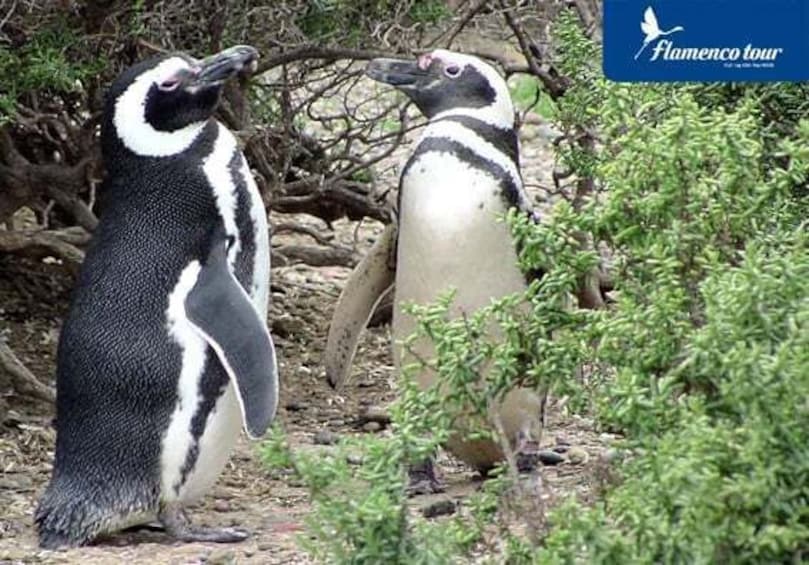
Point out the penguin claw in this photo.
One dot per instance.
(178, 526)
(423, 479)
(215, 535)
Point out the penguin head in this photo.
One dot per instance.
(445, 83)
(158, 107)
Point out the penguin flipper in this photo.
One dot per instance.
(221, 311)
(368, 284)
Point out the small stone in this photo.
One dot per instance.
(221, 506)
(442, 507)
(561, 448)
(562, 440)
(577, 455)
(264, 546)
(612, 455)
(547, 132)
(293, 406)
(249, 552)
(325, 437)
(548, 457)
(287, 326)
(221, 557)
(16, 482)
(371, 427)
(375, 414)
(354, 459)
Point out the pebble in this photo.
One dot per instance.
(577, 455)
(264, 546)
(549, 457)
(371, 427)
(548, 133)
(294, 406)
(325, 437)
(221, 557)
(354, 459)
(287, 326)
(16, 482)
(441, 507)
(221, 506)
(375, 414)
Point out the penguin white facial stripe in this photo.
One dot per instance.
(470, 139)
(178, 439)
(216, 168)
(130, 116)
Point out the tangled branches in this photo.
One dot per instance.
(318, 136)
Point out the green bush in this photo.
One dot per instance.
(701, 360)
(44, 64)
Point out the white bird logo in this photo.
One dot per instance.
(651, 28)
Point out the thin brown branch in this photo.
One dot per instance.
(305, 52)
(23, 380)
(38, 244)
(317, 256)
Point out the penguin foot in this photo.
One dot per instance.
(423, 479)
(527, 454)
(178, 526)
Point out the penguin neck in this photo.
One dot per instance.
(499, 114)
(119, 155)
(121, 163)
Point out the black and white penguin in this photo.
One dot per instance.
(165, 352)
(457, 184)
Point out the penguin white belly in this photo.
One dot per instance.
(215, 445)
(452, 234)
(178, 481)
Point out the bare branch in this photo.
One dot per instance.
(23, 380)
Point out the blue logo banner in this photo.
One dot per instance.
(706, 40)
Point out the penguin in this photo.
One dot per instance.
(165, 353)
(458, 182)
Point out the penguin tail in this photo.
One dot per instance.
(64, 521)
(71, 513)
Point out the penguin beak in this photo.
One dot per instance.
(218, 68)
(395, 72)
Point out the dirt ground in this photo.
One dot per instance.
(33, 301)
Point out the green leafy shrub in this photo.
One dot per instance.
(326, 20)
(45, 63)
(527, 95)
(701, 359)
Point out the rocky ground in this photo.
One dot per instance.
(32, 304)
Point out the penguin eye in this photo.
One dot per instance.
(452, 71)
(169, 85)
